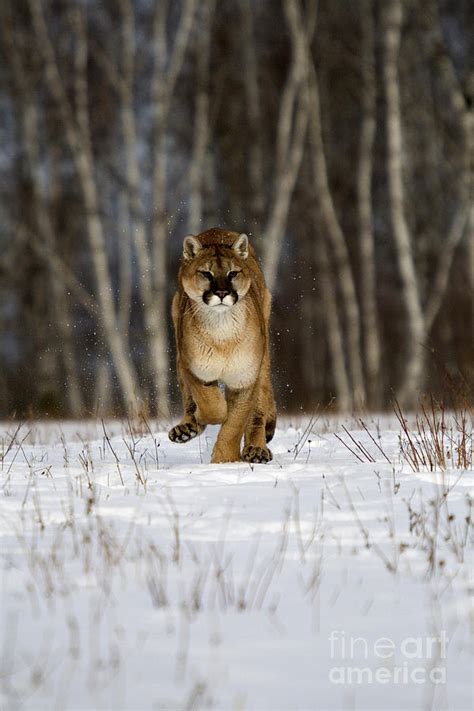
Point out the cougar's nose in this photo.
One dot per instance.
(221, 293)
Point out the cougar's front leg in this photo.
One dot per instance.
(261, 424)
(211, 406)
(239, 405)
(203, 403)
(256, 434)
(189, 427)
(255, 448)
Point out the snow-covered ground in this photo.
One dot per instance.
(135, 575)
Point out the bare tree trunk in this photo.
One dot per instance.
(334, 330)
(125, 264)
(443, 268)
(151, 260)
(276, 225)
(62, 271)
(103, 398)
(152, 314)
(63, 312)
(78, 138)
(337, 241)
(211, 188)
(310, 371)
(470, 225)
(313, 341)
(201, 120)
(469, 120)
(163, 81)
(252, 95)
(287, 168)
(293, 109)
(371, 338)
(415, 331)
(463, 220)
(129, 202)
(29, 115)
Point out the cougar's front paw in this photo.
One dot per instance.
(183, 432)
(223, 455)
(256, 455)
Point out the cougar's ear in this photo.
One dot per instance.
(191, 246)
(241, 246)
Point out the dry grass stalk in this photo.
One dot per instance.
(434, 444)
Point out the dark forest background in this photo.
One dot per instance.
(339, 135)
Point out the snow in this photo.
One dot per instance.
(232, 586)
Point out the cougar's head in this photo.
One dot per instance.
(215, 276)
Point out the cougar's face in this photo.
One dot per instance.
(216, 277)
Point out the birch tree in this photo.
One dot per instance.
(151, 315)
(201, 116)
(291, 134)
(164, 77)
(411, 298)
(338, 245)
(462, 222)
(252, 97)
(301, 90)
(367, 280)
(77, 132)
(149, 246)
(335, 337)
(29, 113)
(251, 118)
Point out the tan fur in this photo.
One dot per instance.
(224, 345)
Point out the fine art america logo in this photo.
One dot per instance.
(413, 660)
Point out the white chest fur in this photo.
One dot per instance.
(223, 349)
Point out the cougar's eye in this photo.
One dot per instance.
(208, 275)
(231, 275)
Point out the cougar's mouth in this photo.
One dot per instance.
(215, 301)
